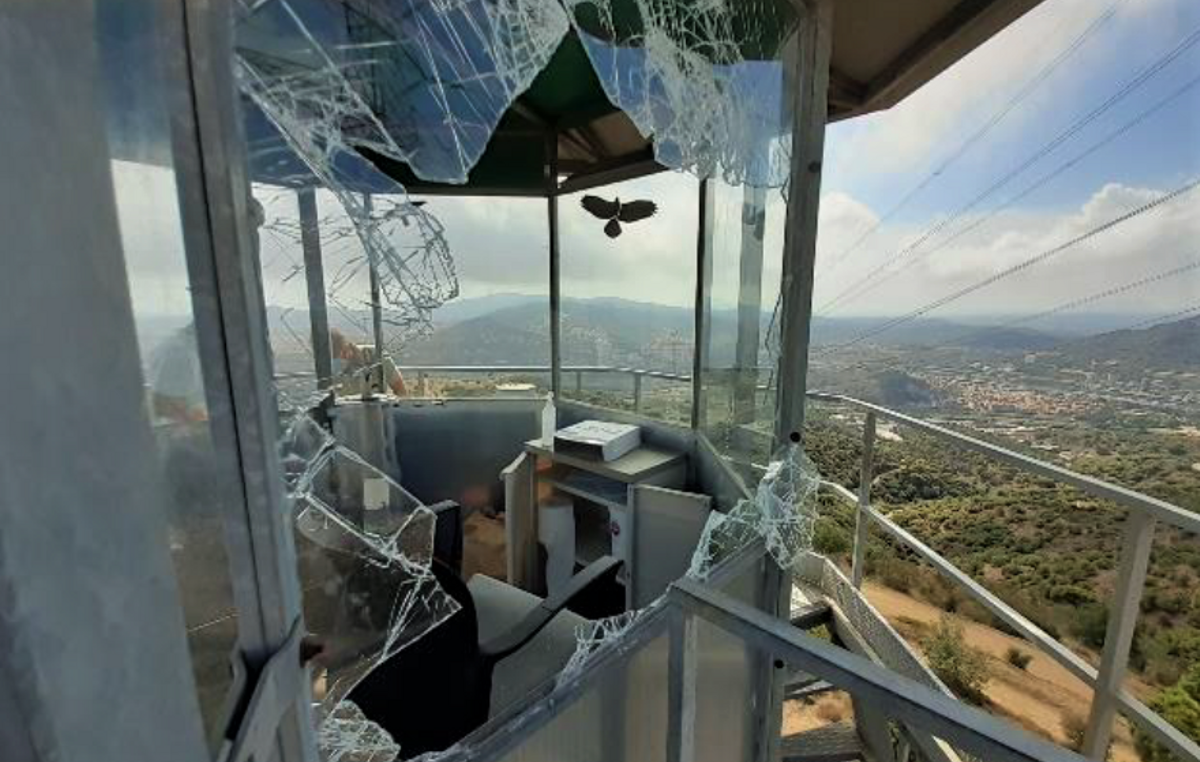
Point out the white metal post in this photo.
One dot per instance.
(681, 688)
(806, 75)
(700, 337)
(637, 392)
(376, 304)
(1122, 619)
(555, 263)
(862, 522)
(314, 278)
(749, 319)
(809, 87)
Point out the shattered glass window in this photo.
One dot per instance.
(335, 90)
(704, 79)
(737, 404)
(196, 458)
(782, 513)
(307, 121)
(628, 295)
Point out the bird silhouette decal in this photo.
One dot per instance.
(616, 212)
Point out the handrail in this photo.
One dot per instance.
(678, 615)
(965, 727)
(1159, 509)
(637, 374)
(1108, 694)
(1071, 661)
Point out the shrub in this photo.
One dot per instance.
(1074, 726)
(963, 669)
(829, 539)
(1017, 657)
(1089, 624)
(1178, 705)
(898, 575)
(1073, 595)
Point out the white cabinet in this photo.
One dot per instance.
(632, 507)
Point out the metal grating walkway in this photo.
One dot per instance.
(837, 742)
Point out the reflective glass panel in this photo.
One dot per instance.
(738, 403)
(197, 463)
(628, 254)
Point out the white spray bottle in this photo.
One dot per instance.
(549, 421)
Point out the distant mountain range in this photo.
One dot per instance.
(1170, 345)
(513, 329)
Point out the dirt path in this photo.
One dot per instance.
(1038, 698)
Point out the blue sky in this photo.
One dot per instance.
(872, 162)
(1159, 152)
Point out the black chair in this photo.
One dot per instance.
(437, 689)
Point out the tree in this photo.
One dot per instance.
(1178, 705)
(963, 669)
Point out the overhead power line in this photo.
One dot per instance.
(1070, 132)
(1036, 185)
(1026, 90)
(1020, 266)
(1084, 301)
(1167, 318)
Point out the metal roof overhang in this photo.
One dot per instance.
(882, 51)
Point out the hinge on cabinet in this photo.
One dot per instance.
(272, 691)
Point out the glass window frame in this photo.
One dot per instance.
(214, 193)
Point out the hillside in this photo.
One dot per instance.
(1173, 345)
(513, 329)
(595, 332)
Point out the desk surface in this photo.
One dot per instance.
(633, 466)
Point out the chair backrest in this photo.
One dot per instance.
(436, 689)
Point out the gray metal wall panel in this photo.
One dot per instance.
(94, 651)
(455, 450)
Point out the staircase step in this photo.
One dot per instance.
(811, 615)
(836, 742)
(807, 688)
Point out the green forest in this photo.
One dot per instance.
(1048, 550)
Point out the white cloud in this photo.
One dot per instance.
(152, 237)
(1153, 242)
(914, 136)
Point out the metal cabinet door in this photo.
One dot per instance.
(667, 525)
(520, 521)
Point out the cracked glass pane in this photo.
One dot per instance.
(365, 546)
(594, 634)
(782, 513)
(348, 736)
(329, 86)
(440, 74)
(308, 120)
(705, 80)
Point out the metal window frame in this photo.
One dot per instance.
(897, 697)
(91, 380)
(85, 568)
(272, 718)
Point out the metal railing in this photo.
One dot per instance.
(636, 374)
(422, 374)
(678, 615)
(1109, 695)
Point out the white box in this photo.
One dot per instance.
(598, 439)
